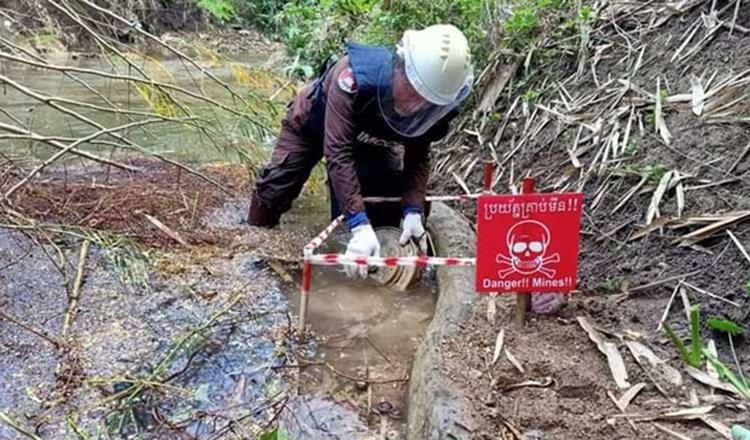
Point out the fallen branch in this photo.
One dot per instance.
(76, 290)
(38, 332)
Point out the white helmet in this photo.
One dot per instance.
(431, 74)
(437, 62)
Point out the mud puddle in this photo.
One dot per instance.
(366, 337)
(353, 380)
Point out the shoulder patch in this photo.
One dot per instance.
(347, 82)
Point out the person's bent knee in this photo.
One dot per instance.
(262, 214)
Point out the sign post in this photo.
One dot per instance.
(523, 299)
(528, 243)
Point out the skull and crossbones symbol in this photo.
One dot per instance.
(527, 243)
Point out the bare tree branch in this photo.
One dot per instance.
(22, 133)
(71, 146)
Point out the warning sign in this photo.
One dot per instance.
(528, 242)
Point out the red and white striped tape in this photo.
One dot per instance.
(317, 241)
(428, 198)
(339, 259)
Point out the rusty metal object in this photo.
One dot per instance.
(400, 278)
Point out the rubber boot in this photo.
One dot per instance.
(259, 214)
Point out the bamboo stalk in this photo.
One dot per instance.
(28, 134)
(71, 146)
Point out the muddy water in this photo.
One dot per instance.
(174, 140)
(365, 337)
(368, 333)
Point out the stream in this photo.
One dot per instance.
(186, 344)
(174, 140)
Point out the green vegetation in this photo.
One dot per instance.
(612, 284)
(725, 326)
(313, 30)
(654, 172)
(694, 357)
(726, 374)
(276, 434)
(220, 9)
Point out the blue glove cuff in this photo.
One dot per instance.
(358, 219)
(412, 209)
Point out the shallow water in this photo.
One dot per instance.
(367, 332)
(175, 140)
(125, 335)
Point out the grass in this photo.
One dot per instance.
(612, 284)
(725, 326)
(694, 356)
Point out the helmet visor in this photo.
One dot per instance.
(404, 110)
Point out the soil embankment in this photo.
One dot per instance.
(650, 122)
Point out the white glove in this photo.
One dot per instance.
(364, 243)
(413, 229)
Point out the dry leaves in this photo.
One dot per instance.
(614, 359)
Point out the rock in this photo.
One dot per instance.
(533, 434)
(384, 407)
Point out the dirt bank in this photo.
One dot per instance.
(665, 185)
(438, 409)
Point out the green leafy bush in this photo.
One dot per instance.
(316, 29)
(220, 9)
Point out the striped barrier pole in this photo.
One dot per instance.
(457, 198)
(307, 270)
(305, 296)
(489, 171)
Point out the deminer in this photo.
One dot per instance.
(373, 116)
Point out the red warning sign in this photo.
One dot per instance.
(528, 242)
